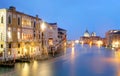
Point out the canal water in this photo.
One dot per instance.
(76, 61)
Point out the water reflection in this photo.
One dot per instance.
(64, 49)
(72, 67)
(82, 45)
(77, 61)
(46, 70)
(73, 53)
(34, 69)
(90, 44)
(117, 59)
(25, 70)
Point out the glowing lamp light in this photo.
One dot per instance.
(90, 44)
(76, 41)
(115, 44)
(43, 26)
(73, 44)
(18, 33)
(99, 43)
(9, 34)
(25, 50)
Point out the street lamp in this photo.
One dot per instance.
(43, 27)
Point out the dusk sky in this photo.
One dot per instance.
(73, 15)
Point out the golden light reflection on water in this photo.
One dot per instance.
(117, 58)
(73, 53)
(90, 44)
(46, 69)
(35, 66)
(35, 69)
(116, 61)
(64, 49)
(72, 73)
(25, 70)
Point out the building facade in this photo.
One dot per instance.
(62, 36)
(51, 35)
(24, 35)
(90, 39)
(113, 38)
(21, 34)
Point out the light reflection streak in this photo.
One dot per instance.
(73, 53)
(65, 50)
(99, 43)
(45, 69)
(115, 60)
(25, 70)
(90, 44)
(72, 73)
(35, 65)
(36, 69)
(95, 62)
(82, 43)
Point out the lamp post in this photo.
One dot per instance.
(43, 27)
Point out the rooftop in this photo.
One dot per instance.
(12, 8)
(61, 29)
(52, 23)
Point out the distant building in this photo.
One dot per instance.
(86, 34)
(84, 40)
(87, 38)
(113, 38)
(94, 39)
(52, 34)
(62, 35)
(93, 34)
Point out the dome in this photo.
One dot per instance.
(86, 34)
(93, 34)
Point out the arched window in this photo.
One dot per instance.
(9, 19)
(9, 33)
(18, 20)
(2, 19)
(34, 24)
(18, 34)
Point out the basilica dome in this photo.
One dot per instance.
(86, 34)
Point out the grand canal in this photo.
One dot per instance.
(76, 61)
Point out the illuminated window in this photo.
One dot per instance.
(2, 19)
(9, 33)
(50, 41)
(18, 34)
